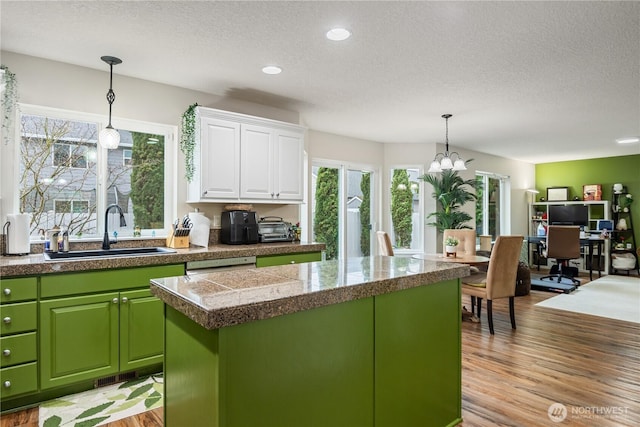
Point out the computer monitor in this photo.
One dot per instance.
(568, 215)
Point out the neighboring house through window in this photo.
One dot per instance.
(66, 179)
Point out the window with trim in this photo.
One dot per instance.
(66, 179)
(406, 217)
(493, 205)
(126, 157)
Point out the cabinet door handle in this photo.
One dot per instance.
(293, 262)
(278, 195)
(7, 384)
(124, 300)
(7, 291)
(115, 300)
(6, 352)
(7, 320)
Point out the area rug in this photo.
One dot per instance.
(103, 405)
(614, 297)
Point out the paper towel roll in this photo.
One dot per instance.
(18, 234)
(199, 235)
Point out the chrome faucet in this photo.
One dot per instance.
(105, 240)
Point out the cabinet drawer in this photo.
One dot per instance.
(270, 260)
(18, 349)
(21, 289)
(20, 317)
(19, 379)
(55, 285)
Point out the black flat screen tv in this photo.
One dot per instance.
(568, 215)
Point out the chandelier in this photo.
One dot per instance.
(109, 137)
(446, 161)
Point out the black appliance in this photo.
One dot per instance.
(239, 227)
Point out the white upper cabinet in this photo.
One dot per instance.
(248, 159)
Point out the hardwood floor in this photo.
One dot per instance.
(589, 364)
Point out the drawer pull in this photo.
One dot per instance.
(124, 300)
(293, 262)
(115, 300)
(7, 320)
(7, 291)
(7, 384)
(6, 352)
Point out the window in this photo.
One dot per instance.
(126, 157)
(342, 208)
(492, 206)
(406, 216)
(67, 179)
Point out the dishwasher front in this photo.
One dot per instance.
(223, 264)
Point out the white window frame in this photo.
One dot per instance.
(505, 202)
(169, 132)
(421, 202)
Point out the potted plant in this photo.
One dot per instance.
(451, 192)
(451, 246)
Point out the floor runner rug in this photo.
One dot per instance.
(103, 405)
(614, 297)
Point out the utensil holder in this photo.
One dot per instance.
(178, 242)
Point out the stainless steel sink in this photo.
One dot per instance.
(102, 253)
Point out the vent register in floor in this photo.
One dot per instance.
(103, 405)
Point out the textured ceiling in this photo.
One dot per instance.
(534, 81)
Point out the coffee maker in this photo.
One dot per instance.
(239, 227)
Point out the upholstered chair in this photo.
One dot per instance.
(563, 244)
(499, 281)
(466, 238)
(384, 243)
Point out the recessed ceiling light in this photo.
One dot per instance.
(271, 69)
(338, 34)
(628, 140)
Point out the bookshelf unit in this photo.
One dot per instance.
(598, 209)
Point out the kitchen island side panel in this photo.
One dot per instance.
(312, 368)
(418, 357)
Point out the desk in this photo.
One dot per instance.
(588, 242)
(462, 259)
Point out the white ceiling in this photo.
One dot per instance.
(533, 81)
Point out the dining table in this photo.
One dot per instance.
(474, 260)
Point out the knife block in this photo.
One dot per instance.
(177, 242)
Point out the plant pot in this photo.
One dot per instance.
(450, 250)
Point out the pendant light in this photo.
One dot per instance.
(446, 161)
(109, 137)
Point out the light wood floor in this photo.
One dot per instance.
(589, 364)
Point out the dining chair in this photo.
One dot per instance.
(384, 243)
(563, 244)
(466, 238)
(499, 281)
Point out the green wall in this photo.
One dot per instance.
(604, 171)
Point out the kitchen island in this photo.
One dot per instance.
(371, 341)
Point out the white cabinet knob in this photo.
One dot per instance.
(6, 352)
(124, 300)
(7, 320)
(293, 262)
(7, 291)
(7, 384)
(115, 300)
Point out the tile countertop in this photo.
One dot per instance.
(35, 264)
(219, 299)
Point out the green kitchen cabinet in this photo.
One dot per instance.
(95, 335)
(297, 258)
(18, 337)
(79, 338)
(141, 338)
